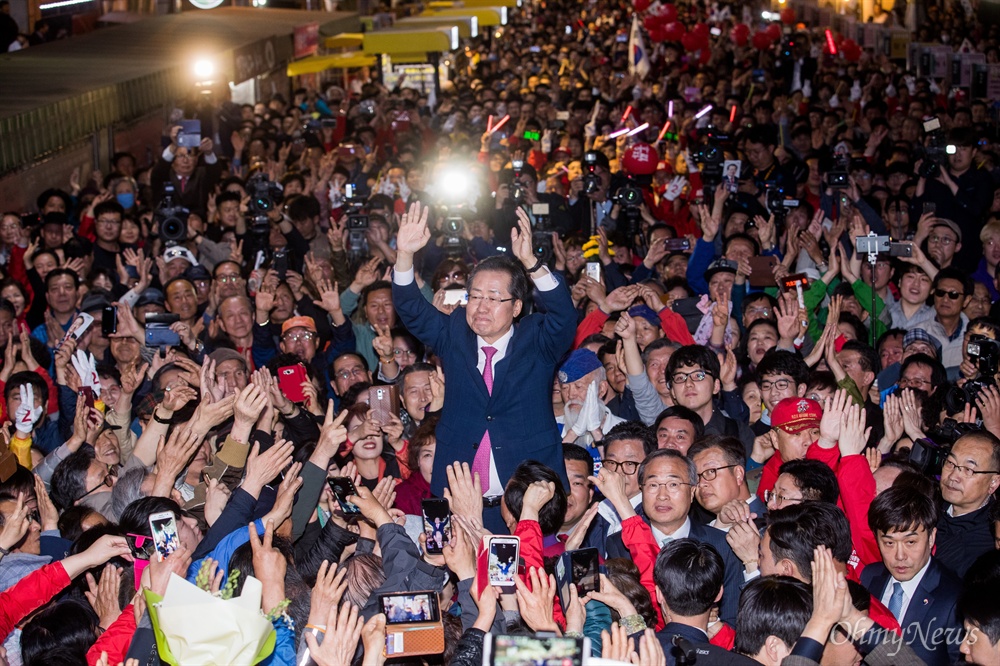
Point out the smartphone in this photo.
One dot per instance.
(677, 244)
(349, 190)
(901, 249)
(930, 207)
(456, 297)
(507, 650)
(141, 546)
(343, 488)
(109, 320)
(163, 527)
(594, 270)
(190, 134)
(762, 271)
(87, 394)
(502, 562)
(280, 263)
(562, 115)
(161, 336)
(437, 524)
(383, 401)
(581, 568)
(290, 378)
(413, 623)
(410, 607)
(622, 39)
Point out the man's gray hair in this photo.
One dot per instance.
(127, 490)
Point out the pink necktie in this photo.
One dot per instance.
(481, 463)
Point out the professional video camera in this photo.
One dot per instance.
(629, 200)
(935, 152)
(930, 452)
(517, 193)
(591, 181)
(710, 155)
(778, 205)
(171, 218)
(451, 229)
(984, 353)
(265, 196)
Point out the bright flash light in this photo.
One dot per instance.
(950, 149)
(453, 185)
(204, 68)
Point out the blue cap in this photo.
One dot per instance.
(645, 312)
(577, 365)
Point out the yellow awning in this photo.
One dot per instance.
(487, 16)
(433, 40)
(345, 40)
(409, 59)
(443, 4)
(468, 26)
(321, 63)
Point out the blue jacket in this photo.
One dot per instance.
(519, 411)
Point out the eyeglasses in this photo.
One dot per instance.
(953, 295)
(653, 487)
(347, 374)
(296, 337)
(964, 471)
(696, 376)
(406, 353)
(227, 279)
(907, 382)
(710, 473)
(778, 499)
(780, 384)
(35, 516)
(941, 240)
(626, 467)
(492, 300)
(763, 312)
(109, 481)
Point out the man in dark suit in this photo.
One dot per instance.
(192, 172)
(498, 406)
(689, 577)
(722, 484)
(667, 480)
(918, 591)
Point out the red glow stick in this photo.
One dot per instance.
(503, 121)
(830, 44)
(732, 114)
(628, 112)
(663, 132)
(489, 124)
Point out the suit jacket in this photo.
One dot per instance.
(706, 653)
(932, 609)
(518, 413)
(199, 187)
(732, 582)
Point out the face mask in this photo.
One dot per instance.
(126, 200)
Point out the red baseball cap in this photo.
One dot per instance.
(796, 414)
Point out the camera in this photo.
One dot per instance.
(984, 353)
(452, 227)
(591, 181)
(265, 196)
(777, 204)
(930, 452)
(541, 234)
(710, 156)
(172, 218)
(517, 193)
(935, 152)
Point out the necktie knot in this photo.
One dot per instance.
(490, 352)
(896, 600)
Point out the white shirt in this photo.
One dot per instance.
(909, 589)
(607, 511)
(682, 532)
(545, 282)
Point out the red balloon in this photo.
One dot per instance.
(851, 50)
(701, 29)
(650, 23)
(669, 12)
(773, 31)
(674, 32)
(740, 34)
(641, 5)
(691, 42)
(657, 35)
(788, 16)
(706, 55)
(761, 41)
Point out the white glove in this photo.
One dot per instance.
(86, 367)
(890, 90)
(675, 187)
(807, 89)
(590, 414)
(27, 414)
(856, 91)
(691, 166)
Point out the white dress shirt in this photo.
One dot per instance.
(682, 532)
(909, 589)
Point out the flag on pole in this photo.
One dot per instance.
(638, 58)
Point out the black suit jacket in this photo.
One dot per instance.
(932, 609)
(705, 653)
(199, 186)
(733, 581)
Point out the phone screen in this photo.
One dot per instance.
(410, 608)
(586, 571)
(437, 524)
(343, 488)
(164, 530)
(503, 562)
(515, 650)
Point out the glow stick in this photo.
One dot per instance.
(628, 112)
(615, 135)
(732, 114)
(489, 124)
(830, 44)
(503, 121)
(663, 132)
(638, 129)
(703, 112)
(670, 109)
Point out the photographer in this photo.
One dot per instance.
(502, 216)
(961, 191)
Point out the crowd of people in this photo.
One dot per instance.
(767, 401)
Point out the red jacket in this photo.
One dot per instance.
(32, 591)
(530, 533)
(115, 640)
(637, 536)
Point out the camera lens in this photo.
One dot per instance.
(173, 229)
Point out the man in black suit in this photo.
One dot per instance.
(722, 484)
(667, 480)
(689, 577)
(192, 172)
(918, 591)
